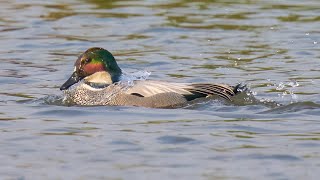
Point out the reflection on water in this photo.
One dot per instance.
(273, 46)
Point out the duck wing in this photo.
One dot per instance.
(188, 90)
(208, 89)
(149, 88)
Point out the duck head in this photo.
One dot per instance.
(95, 64)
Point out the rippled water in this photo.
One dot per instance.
(273, 46)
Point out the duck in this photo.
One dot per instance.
(99, 80)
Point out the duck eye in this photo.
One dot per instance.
(87, 60)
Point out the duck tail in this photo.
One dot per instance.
(241, 87)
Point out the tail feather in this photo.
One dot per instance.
(241, 87)
(204, 90)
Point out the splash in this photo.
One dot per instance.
(130, 78)
(287, 89)
(56, 100)
(247, 96)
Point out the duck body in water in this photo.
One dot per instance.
(102, 85)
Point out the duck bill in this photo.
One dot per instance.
(71, 81)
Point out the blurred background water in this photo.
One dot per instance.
(273, 46)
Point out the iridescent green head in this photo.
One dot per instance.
(91, 61)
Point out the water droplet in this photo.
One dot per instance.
(293, 83)
(140, 75)
(280, 86)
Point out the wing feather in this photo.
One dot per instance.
(221, 90)
(149, 88)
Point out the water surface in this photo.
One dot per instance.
(273, 46)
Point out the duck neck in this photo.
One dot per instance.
(115, 77)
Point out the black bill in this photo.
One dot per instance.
(71, 81)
